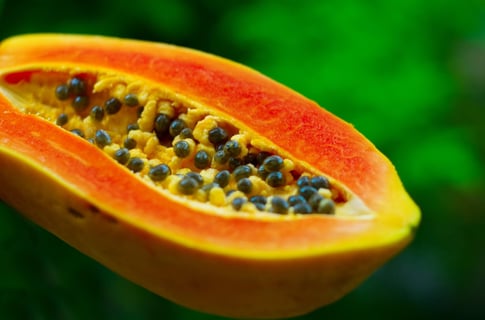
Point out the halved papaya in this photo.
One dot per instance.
(194, 176)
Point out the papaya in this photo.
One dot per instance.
(194, 176)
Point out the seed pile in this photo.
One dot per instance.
(183, 149)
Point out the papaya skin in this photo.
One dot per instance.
(232, 266)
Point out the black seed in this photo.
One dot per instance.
(97, 113)
(77, 132)
(209, 186)
(196, 176)
(243, 171)
(102, 138)
(112, 105)
(202, 159)
(307, 191)
(326, 206)
(303, 181)
(176, 127)
(260, 206)
(263, 174)
(273, 163)
(296, 199)
(217, 135)
(77, 86)
(237, 203)
(262, 156)
(80, 103)
(314, 200)
(132, 126)
(222, 178)
(63, 92)
(181, 149)
(233, 163)
(251, 158)
(187, 185)
(162, 123)
(131, 100)
(276, 179)
(245, 185)
(302, 208)
(159, 172)
(320, 182)
(186, 133)
(129, 143)
(279, 205)
(232, 148)
(258, 199)
(221, 157)
(122, 155)
(62, 119)
(135, 164)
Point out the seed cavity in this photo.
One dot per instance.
(181, 149)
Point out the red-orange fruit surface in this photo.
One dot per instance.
(182, 171)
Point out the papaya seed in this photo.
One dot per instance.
(62, 119)
(181, 149)
(131, 100)
(187, 185)
(80, 103)
(63, 92)
(202, 159)
(135, 164)
(112, 105)
(159, 172)
(97, 113)
(122, 155)
(102, 138)
(217, 135)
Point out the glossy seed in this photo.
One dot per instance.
(131, 100)
(122, 155)
(102, 138)
(62, 119)
(320, 182)
(162, 123)
(245, 185)
(263, 174)
(78, 132)
(196, 176)
(279, 205)
(222, 178)
(187, 185)
(307, 191)
(233, 163)
(303, 181)
(258, 199)
(232, 148)
(181, 149)
(260, 206)
(295, 199)
(202, 159)
(63, 92)
(273, 163)
(159, 172)
(77, 86)
(242, 171)
(275, 179)
(176, 127)
(221, 157)
(326, 206)
(135, 164)
(112, 105)
(97, 113)
(80, 103)
(132, 126)
(129, 143)
(302, 208)
(210, 186)
(217, 135)
(186, 133)
(314, 200)
(237, 203)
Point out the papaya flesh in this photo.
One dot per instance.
(193, 176)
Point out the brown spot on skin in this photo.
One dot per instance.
(75, 213)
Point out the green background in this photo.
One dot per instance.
(409, 74)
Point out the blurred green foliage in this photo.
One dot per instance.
(408, 74)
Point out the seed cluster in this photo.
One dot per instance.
(189, 153)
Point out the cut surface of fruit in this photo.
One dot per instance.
(184, 158)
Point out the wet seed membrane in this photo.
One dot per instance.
(178, 148)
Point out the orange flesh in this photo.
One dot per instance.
(323, 142)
